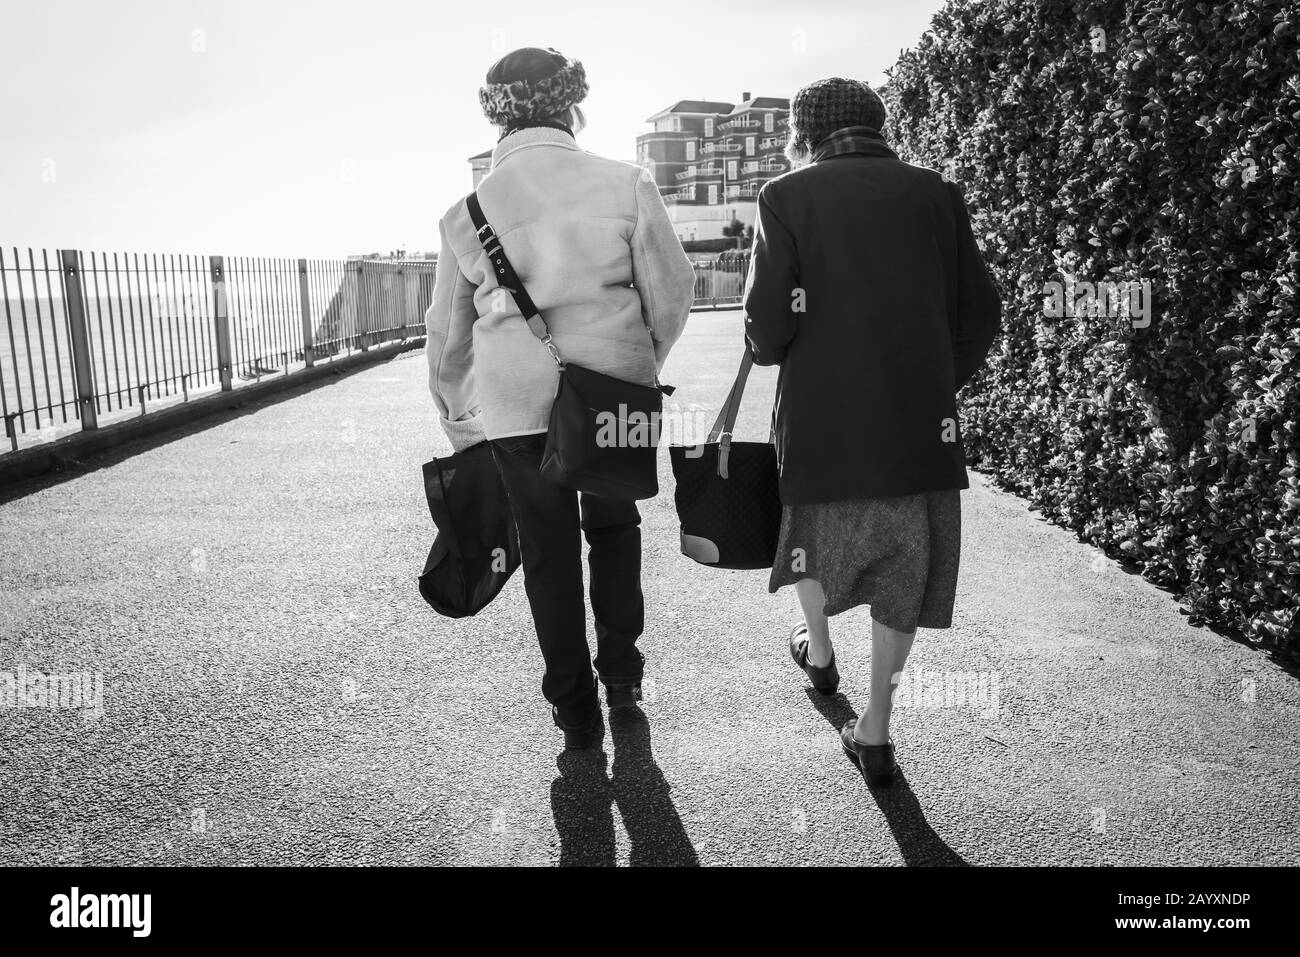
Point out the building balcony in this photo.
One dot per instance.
(766, 169)
(721, 147)
(771, 142)
(739, 123)
(700, 171)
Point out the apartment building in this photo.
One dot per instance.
(709, 159)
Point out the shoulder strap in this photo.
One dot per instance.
(726, 419)
(505, 274)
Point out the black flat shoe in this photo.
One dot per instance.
(622, 696)
(582, 736)
(826, 680)
(875, 760)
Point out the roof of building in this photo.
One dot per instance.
(694, 106)
(486, 154)
(763, 103)
(718, 107)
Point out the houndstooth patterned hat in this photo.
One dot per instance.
(821, 108)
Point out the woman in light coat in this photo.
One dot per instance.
(591, 241)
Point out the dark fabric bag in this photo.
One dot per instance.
(596, 440)
(477, 548)
(728, 499)
(603, 432)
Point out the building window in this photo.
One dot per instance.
(768, 120)
(749, 146)
(708, 127)
(713, 194)
(731, 169)
(690, 149)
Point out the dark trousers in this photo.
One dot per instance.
(546, 515)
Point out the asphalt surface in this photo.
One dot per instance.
(276, 691)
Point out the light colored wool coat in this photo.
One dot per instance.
(591, 241)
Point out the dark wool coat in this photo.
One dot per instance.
(898, 313)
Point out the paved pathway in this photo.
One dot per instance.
(275, 690)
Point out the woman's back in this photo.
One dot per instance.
(860, 269)
(580, 231)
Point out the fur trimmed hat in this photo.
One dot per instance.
(821, 108)
(531, 84)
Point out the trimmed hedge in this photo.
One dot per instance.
(708, 245)
(1127, 141)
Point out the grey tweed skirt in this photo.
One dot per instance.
(898, 555)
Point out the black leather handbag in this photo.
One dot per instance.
(604, 432)
(477, 547)
(728, 495)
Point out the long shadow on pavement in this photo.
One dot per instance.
(583, 799)
(918, 842)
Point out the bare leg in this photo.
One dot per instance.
(889, 650)
(813, 600)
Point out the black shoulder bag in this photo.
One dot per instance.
(728, 493)
(604, 432)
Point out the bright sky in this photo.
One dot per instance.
(323, 128)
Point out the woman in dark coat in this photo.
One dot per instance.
(869, 291)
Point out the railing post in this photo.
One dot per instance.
(363, 311)
(399, 294)
(221, 320)
(82, 371)
(304, 297)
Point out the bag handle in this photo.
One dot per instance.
(726, 420)
(506, 276)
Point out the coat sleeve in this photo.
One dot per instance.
(661, 271)
(449, 347)
(770, 289)
(974, 323)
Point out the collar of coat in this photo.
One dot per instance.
(862, 140)
(529, 137)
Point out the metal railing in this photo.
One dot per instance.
(720, 282)
(93, 337)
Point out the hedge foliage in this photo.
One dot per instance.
(1125, 141)
(708, 245)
